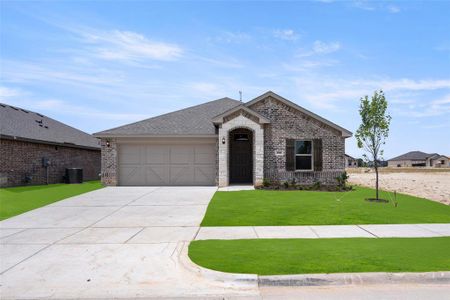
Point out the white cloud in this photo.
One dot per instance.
(363, 4)
(320, 48)
(329, 92)
(393, 9)
(325, 48)
(230, 37)
(436, 107)
(286, 34)
(127, 45)
(57, 72)
(6, 93)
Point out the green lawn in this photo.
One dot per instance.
(263, 207)
(343, 255)
(17, 200)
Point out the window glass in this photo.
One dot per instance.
(303, 147)
(303, 162)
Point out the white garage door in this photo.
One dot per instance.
(167, 164)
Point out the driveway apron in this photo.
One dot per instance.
(121, 242)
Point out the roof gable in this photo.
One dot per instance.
(220, 118)
(345, 132)
(18, 123)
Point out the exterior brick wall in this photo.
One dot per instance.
(109, 162)
(20, 159)
(269, 146)
(289, 123)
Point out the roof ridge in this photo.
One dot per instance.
(168, 113)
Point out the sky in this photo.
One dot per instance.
(95, 65)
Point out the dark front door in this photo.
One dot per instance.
(241, 156)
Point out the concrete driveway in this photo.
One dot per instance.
(121, 242)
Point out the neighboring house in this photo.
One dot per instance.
(381, 163)
(350, 162)
(419, 159)
(29, 141)
(226, 142)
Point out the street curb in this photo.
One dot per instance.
(231, 280)
(340, 279)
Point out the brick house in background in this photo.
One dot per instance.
(350, 162)
(419, 159)
(27, 138)
(226, 142)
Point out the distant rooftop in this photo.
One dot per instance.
(19, 123)
(414, 155)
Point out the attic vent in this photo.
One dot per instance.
(38, 121)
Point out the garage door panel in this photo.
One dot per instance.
(205, 175)
(130, 154)
(204, 154)
(182, 154)
(157, 175)
(181, 175)
(167, 164)
(156, 154)
(132, 175)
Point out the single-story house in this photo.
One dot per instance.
(350, 162)
(419, 159)
(35, 149)
(226, 142)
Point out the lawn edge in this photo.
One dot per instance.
(319, 279)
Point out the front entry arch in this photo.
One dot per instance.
(241, 156)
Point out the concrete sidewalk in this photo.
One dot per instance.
(325, 231)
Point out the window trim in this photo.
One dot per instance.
(311, 155)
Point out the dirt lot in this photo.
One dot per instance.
(423, 183)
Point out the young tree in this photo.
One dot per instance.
(374, 128)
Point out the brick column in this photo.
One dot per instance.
(109, 162)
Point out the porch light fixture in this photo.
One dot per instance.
(108, 144)
(223, 140)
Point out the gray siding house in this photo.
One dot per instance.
(225, 142)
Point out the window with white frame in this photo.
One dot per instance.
(303, 155)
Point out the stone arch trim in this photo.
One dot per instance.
(258, 148)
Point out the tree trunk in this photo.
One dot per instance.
(376, 178)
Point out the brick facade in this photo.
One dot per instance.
(20, 159)
(109, 162)
(288, 123)
(269, 145)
